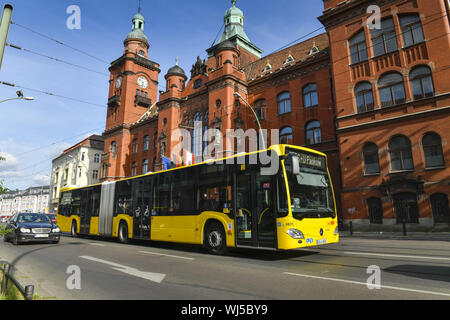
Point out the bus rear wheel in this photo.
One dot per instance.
(73, 229)
(215, 239)
(123, 233)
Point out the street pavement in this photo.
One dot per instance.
(408, 268)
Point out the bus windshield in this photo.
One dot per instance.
(310, 191)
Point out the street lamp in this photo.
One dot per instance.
(19, 97)
(237, 95)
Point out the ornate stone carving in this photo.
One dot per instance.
(198, 68)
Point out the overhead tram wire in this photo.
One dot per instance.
(55, 59)
(60, 42)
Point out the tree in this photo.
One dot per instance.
(2, 190)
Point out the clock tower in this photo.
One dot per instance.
(133, 88)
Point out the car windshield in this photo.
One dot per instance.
(311, 195)
(33, 218)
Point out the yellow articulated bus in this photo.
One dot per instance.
(233, 202)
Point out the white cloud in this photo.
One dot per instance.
(41, 180)
(10, 174)
(9, 164)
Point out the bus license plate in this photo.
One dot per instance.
(41, 236)
(321, 241)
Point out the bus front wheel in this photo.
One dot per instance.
(123, 233)
(73, 229)
(215, 239)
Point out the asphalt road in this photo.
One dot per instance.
(408, 269)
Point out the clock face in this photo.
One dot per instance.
(142, 82)
(118, 82)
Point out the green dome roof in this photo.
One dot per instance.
(139, 16)
(137, 34)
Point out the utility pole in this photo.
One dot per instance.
(4, 29)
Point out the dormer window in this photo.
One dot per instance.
(289, 59)
(268, 67)
(141, 53)
(314, 49)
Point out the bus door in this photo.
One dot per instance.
(142, 208)
(254, 219)
(86, 210)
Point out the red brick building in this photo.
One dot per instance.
(384, 92)
(392, 94)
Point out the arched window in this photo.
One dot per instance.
(146, 143)
(384, 39)
(392, 89)
(133, 169)
(439, 205)
(310, 96)
(371, 161)
(364, 97)
(313, 133)
(421, 82)
(375, 210)
(432, 149)
(113, 147)
(144, 166)
(401, 155)
(260, 107)
(358, 48)
(406, 208)
(286, 135)
(135, 145)
(411, 29)
(197, 138)
(284, 102)
(154, 164)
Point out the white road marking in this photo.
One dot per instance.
(396, 256)
(365, 284)
(155, 277)
(96, 244)
(166, 255)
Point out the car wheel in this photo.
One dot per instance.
(73, 229)
(123, 233)
(215, 239)
(16, 241)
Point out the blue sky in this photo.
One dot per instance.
(32, 133)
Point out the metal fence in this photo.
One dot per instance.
(26, 292)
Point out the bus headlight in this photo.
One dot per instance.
(295, 234)
(336, 231)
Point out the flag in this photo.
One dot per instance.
(188, 158)
(166, 163)
(177, 160)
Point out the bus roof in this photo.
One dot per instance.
(279, 148)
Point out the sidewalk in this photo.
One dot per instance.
(430, 236)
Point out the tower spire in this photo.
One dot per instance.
(233, 2)
(139, 8)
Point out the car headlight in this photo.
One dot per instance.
(295, 234)
(25, 230)
(56, 230)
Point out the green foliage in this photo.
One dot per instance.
(3, 231)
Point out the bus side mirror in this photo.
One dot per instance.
(295, 164)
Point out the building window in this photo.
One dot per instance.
(384, 40)
(133, 169)
(401, 155)
(432, 149)
(313, 133)
(439, 205)
(155, 140)
(392, 89)
(135, 145)
(146, 143)
(371, 161)
(358, 48)
(406, 208)
(375, 210)
(83, 155)
(154, 164)
(144, 166)
(260, 107)
(284, 102)
(197, 83)
(197, 138)
(96, 158)
(286, 135)
(364, 97)
(113, 148)
(95, 174)
(310, 96)
(421, 82)
(411, 29)
(105, 170)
